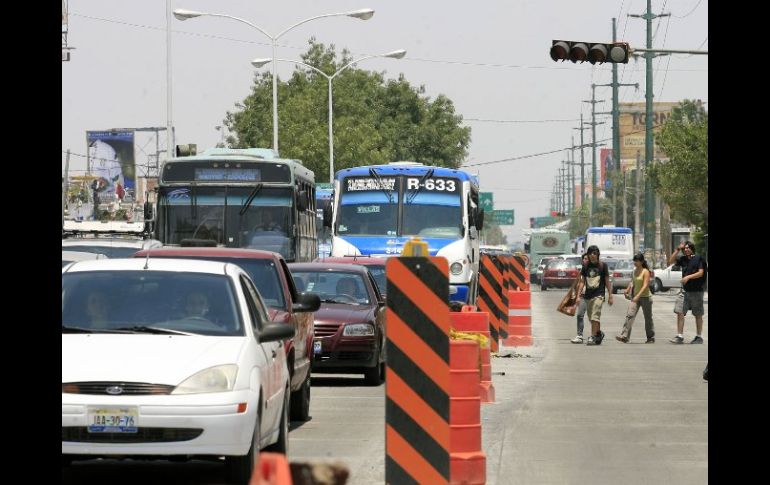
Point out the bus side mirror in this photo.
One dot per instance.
(479, 218)
(328, 215)
(302, 202)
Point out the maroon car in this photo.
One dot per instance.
(273, 280)
(559, 273)
(350, 325)
(376, 266)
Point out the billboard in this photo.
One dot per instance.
(632, 130)
(111, 160)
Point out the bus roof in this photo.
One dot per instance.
(406, 168)
(609, 230)
(248, 154)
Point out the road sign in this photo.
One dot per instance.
(503, 217)
(324, 186)
(486, 201)
(545, 221)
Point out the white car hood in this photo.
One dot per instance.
(157, 359)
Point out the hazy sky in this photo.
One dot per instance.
(490, 57)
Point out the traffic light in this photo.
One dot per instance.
(531, 222)
(593, 52)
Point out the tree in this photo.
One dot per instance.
(493, 235)
(375, 121)
(682, 181)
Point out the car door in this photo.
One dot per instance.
(303, 325)
(379, 313)
(274, 357)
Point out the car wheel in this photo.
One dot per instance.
(543, 288)
(300, 401)
(659, 286)
(282, 445)
(240, 468)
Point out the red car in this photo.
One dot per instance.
(376, 266)
(350, 325)
(559, 273)
(285, 304)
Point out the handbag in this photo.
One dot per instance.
(568, 304)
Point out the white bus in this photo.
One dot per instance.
(613, 242)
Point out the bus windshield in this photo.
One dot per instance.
(220, 214)
(430, 208)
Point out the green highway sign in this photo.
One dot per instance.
(503, 218)
(326, 186)
(486, 201)
(545, 221)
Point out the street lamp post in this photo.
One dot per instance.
(363, 14)
(397, 54)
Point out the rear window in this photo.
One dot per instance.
(560, 264)
(624, 265)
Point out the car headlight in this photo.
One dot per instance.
(358, 330)
(456, 268)
(214, 379)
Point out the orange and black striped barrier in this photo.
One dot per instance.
(520, 319)
(490, 298)
(520, 274)
(417, 380)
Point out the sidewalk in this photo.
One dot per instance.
(616, 413)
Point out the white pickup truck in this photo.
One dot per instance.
(670, 277)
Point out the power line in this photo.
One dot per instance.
(691, 11)
(418, 59)
(518, 121)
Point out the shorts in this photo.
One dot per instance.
(594, 309)
(689, 300)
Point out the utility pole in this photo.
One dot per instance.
(625, 209)
(593, 150)
(582, 163)
(564, 179)
(65, 187)
(637, 191)
(649, 198)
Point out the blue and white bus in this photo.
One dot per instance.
(613, 242)
(377, 208)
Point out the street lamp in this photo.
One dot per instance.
(397, 54)
(362, 14)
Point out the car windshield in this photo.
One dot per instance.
(624, 265)
(545, 261)
(109, 251)
(333, 286)
(162, 302)
(576, 261)
(378, 272)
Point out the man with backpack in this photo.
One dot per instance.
(694, 270)
(596, 278)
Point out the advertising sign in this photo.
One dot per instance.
(111, 160)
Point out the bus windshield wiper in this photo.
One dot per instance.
(250, 198)
(379, 180)
(427, 175)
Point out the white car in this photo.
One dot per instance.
(110, 247)
(671, 277)
(170, 358)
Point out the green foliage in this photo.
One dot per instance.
(375, 121)
(682, 182)
(493, 235)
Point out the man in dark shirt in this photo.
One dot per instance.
(691, 296)
(595, 277)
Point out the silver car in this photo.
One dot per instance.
(620, 274)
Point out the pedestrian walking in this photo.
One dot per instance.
(638, 291)
(595, 278)
(581, 309)
(694, 270)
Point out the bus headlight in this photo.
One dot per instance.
(456, 268)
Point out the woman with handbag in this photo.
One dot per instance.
(638, 291)
(581, 308)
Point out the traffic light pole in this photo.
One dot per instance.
(649, 197)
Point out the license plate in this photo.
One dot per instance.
(317, 347)
(113, 420)
(561, 273)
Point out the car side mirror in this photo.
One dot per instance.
(306, 302)
(328, 215)
(274, 332)
(302, 202)
(149, 212)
